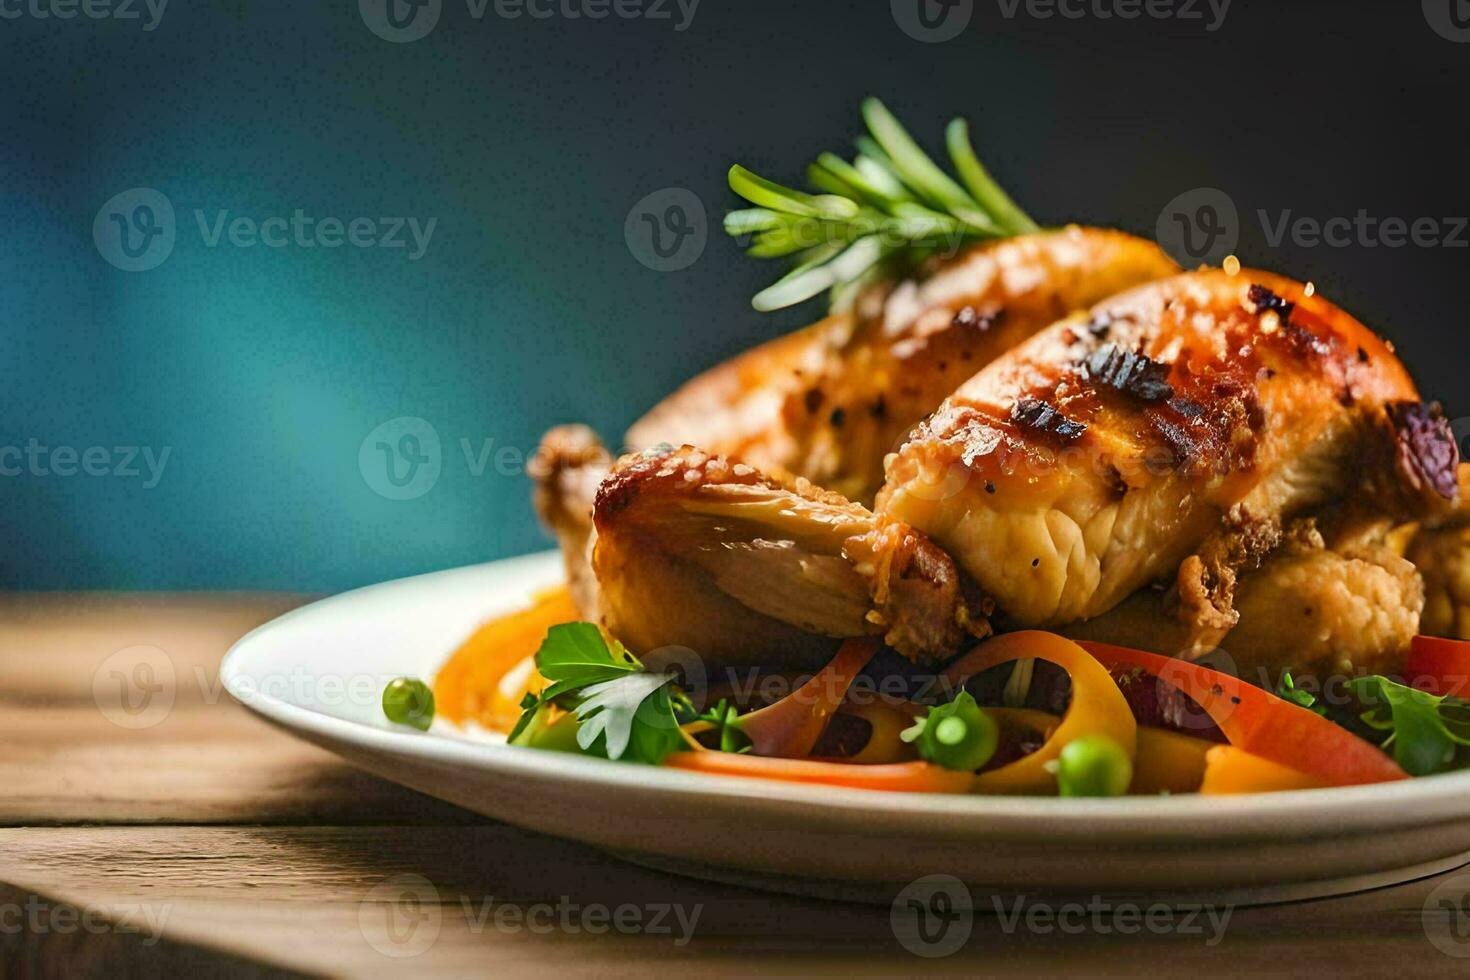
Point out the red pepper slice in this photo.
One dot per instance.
(1263, 724)
(1439, 665)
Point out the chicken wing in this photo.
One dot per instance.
(829, 402)
(695, 550)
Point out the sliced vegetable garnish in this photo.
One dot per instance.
(1439, 665)
(1425, 730)
(1168, 762)
(1263, 724)
(1230, 769)
(790, 727)
(623, 710)
(465, 684)
(1097, 708)
(904, 777)
(958, 735)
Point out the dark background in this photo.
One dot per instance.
(263, 370)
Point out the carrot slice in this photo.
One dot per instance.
(1232, 770)
(902, 777)
(466, 686)
(1262, 724)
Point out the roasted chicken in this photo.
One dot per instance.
(1175, 444)
(827, 403)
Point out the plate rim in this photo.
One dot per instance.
(1416, 802)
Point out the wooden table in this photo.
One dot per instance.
(211, 844)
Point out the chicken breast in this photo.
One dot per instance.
(1169, 423)
(695, 550)
(829, 402)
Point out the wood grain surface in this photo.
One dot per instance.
(209, 844)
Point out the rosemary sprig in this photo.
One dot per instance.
(884, 212)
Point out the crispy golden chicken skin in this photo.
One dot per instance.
(1309, 608)
(1105, 452)
(829, 402)
(695, 550)
(1440, 549)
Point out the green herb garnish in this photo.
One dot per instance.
(409, 701)
(883, 213)
(1287, 690)
(622, 710)
(1425, 731)
(957, 735)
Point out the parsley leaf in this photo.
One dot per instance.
(611, 709)
(623, 711)
(1425, 731)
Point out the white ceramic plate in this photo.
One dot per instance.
(318, 673)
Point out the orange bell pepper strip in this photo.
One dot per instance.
(1168, 762)
(466, 686)
(886, 723)
(903, 777)
(1262, 724)
(1097, 708)
(1439, 666)
(1232, 770)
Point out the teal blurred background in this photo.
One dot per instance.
(262, 371)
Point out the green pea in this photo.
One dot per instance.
(1093, 765)
(957, 735)
(408, 701)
